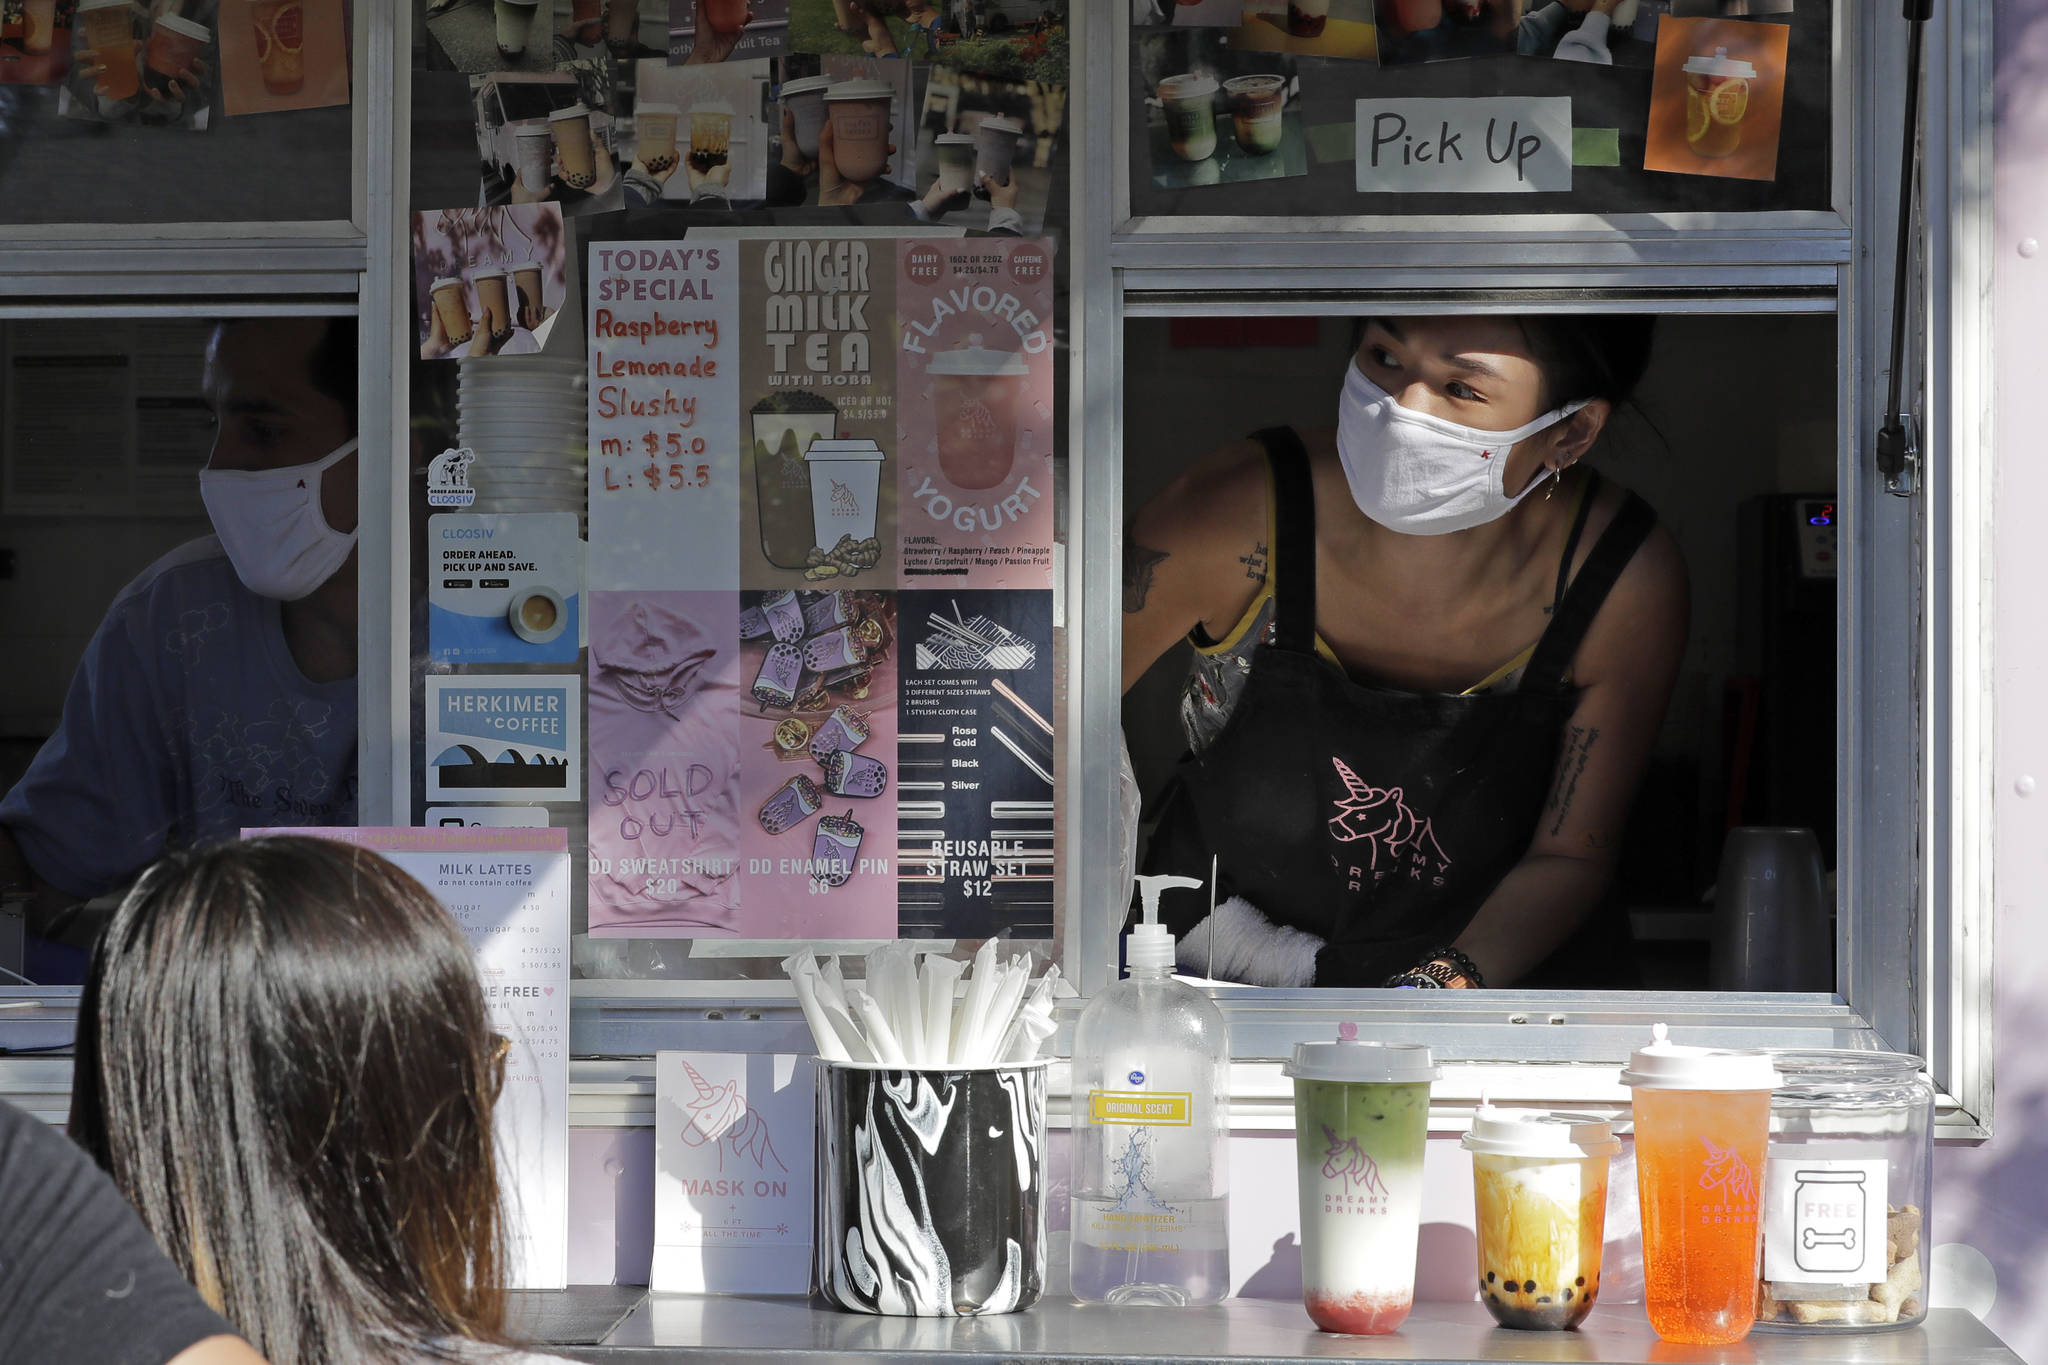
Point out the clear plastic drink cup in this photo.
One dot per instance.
(1190, 104)
(1539, 1185)
(1361, 1122)
(1702, 1118)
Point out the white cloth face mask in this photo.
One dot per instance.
(1421, 475)
(269, 521)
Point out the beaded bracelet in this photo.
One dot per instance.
(1437, 969)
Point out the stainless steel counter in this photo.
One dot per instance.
(1238, 1332)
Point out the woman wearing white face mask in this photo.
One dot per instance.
(1432, 654)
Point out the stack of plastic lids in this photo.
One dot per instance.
(525, 418)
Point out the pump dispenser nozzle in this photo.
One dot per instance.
(1148, 944)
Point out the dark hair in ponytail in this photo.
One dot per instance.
(284, 1063)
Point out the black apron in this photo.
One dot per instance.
(1380, 820)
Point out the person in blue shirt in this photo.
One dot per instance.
(219, 691)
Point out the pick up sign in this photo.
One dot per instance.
(1464, 146)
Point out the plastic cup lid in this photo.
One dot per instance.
(1539, 1133)
(806, 85)
(999, 124)
(1193, 85)
(444, 282)
(977, 359)
(1240, 84)
(654, 107)
(863, 89)
(1720, 64)
(955, 140)
(532, 128)
(488, 271)
(840, 448)
(578, 110)
(176, 24)
(1346, 1060)
(85, 6)
(1665, 1065)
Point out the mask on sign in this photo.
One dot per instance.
(1421, 475)
(269, 522)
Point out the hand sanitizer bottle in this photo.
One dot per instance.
(1151, 1130)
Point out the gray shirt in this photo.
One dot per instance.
(186, 721)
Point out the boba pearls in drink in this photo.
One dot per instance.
(1189, 102)
(451, 304)
(835, 849)
(710, 137)
(654, 124)
(1539, 1184)
(571, 128)
(1361, 1119)
(622, 26)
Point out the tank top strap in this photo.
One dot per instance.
(1294, 550)
(1582, 600)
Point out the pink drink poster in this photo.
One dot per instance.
(818, 782)
(974, 377)
(665, 765)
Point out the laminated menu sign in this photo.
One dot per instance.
(733, 1183)
(975, 411)
(509, 891)
(818, 413)
(664, 764)
(976, 754)
(664, 434)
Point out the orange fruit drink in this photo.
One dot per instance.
(1540, 1193)
(1702, 1118)
(1716, 101)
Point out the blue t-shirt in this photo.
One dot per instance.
(186, 721)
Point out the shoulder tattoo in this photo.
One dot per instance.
(1140, 562)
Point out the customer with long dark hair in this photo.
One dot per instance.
(284, 1063)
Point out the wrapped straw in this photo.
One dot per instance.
(880, 1036)
(910, 1010)
(941, 985)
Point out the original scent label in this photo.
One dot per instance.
(1152, 1109)
(1824, 1220)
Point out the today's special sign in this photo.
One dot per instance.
(1485, 145)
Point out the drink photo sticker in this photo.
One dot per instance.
(151, 67)
(703, 32)
(600, 31)
(1717, 98)
(477, 36)
(697, 135)
(1310, 28)
(817, 735)
(506, 737)
(36, 39)
(1029, 30)
(538, 142)
(488, 282)
(1598, 32)
(282, 54)
(984, 151)
(1217, 115)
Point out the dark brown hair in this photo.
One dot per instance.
(284, 1063)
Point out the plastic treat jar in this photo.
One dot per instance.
(1846, 1193)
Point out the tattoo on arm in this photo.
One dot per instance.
(1255, 563)
(1571, 766)
(1139, 563)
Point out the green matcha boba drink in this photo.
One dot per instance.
(1361, 1121)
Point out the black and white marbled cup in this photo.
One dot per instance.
(931, 1188)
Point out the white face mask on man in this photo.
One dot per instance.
(1421, 475)
(270, 523)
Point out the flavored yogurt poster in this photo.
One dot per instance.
(975, 411)
(509, 891)
(664, 764)
(976, 754)
(664, 320)
(818, 771)
(817, 397)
